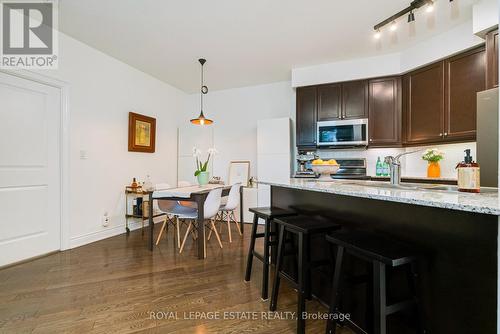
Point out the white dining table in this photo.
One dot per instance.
(197, 194)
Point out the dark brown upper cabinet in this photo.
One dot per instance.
(440, 99)
(347, 100)
(306, 116)
(385, 112)
(424, 104)
(465, 76)
(329, 102)
(492, 59)
(355, 99)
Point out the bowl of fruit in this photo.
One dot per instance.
(325, 168)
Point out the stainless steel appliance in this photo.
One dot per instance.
(304, 161)
(487, 136)
(343, 133)
(354, 168)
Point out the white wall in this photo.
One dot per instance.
(354, 69)
(485, 16)
(102, 92)
(453, 41)
(235, 113)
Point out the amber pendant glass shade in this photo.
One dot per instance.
(201, 120)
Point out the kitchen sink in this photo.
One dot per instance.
(439, 187)
(384, 185)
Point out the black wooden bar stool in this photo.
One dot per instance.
(304, 227)
(382, 252)
(268, 214)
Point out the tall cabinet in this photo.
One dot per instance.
(424, 104)
(273, 155)
(384, 112)
(465, 76)
(306, 116)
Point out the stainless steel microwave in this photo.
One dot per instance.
(350, 132)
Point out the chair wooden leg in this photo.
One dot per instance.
(265, 264)
(177, 223)
(302, 281)
(216, 233)
(237, 224)
(276, 284)
(379, 298)
(229, 227)
(161, 231)
(185, 237)
(331, 326)
(248, 272)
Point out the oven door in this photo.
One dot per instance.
(343, 133)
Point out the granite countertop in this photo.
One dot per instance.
(487, 202)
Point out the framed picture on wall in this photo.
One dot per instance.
(239, 172)
(141, 133)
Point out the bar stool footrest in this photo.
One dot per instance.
(396, 307)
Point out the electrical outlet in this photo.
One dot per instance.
(105, 220)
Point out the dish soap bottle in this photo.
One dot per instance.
(468, 174)
(379, 168)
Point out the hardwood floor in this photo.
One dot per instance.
(114, 285)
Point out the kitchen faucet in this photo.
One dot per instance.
(395, 166)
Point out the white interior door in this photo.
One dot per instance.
(30, 186)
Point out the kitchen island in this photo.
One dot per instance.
(454, 233)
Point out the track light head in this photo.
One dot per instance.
(393, 26)
(377, 34)
(430, 7)
(411, 17)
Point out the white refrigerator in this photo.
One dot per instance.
(273, 155)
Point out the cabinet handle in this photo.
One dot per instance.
(445, 134)
(440, 134)
(371, 139)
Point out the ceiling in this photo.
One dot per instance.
(245, 42)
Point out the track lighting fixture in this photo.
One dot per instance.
(411, 17)
(415, 4)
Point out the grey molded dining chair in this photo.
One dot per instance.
(210, 209)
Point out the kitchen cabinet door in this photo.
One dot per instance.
(306, 116)
(424, 104)
(329, 102)
(385, 112)
(355, 99)
(492, 59)
(465, 77)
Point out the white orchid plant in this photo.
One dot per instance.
(201, 166)
(433, 155)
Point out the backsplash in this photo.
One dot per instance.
(412, 165)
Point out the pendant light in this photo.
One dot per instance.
(201, 120)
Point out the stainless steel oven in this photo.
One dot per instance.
(351, 132)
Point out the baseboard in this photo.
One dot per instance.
(88, 238)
